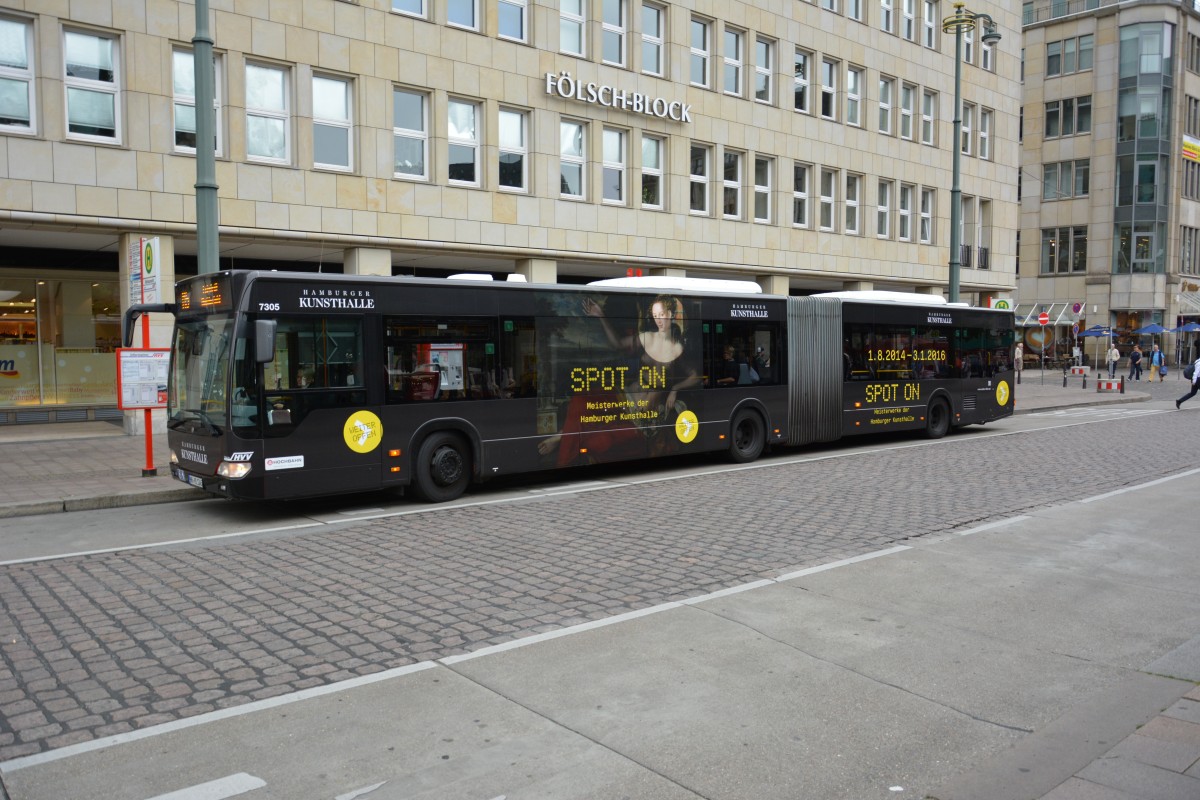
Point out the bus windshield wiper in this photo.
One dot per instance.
(202, 416)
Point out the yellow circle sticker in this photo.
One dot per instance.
(1003, 393)
(363, 432)
(687, 427)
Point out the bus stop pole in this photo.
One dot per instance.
(149, 470)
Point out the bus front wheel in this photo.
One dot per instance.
(443, 468)
(748, 437)
(937, 421)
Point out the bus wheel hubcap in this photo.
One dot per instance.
(446, 466)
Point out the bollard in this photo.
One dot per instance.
(1085, 381)
(1064, 380)
(1122, 384)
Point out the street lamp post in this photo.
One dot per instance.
(961, 20)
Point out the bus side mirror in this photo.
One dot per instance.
(264, 340)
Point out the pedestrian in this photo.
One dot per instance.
(1114, 355)
(1195, 368)
(1158, 365)
(1135, 363)
(1019, 358)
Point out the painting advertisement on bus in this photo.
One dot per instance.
(621, 367)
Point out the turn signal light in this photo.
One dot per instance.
(394, 453)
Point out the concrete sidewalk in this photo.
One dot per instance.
(1051, 655)
(83, 466)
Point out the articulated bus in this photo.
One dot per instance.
(286, 385)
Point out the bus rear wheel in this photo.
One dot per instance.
(443, 468)
(747, 437)
(937, 420)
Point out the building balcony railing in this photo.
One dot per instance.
(1032, 12)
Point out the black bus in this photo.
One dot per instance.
(288, 385)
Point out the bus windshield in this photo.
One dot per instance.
(199, 366)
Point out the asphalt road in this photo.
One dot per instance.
(107, 643)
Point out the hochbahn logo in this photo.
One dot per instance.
(336, 298)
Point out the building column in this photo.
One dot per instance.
(857, 286)
(367, 261)
(773, 284)
(538, 270)
(161, 325)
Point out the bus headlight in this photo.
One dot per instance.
(233, 469)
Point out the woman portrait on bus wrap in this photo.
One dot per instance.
(658, 345)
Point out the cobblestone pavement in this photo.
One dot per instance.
(92, 646)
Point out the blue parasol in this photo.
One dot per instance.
(1152, 328)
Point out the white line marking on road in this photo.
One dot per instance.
(1116, 492)
(229, 786)
(997, 524)
(150, 545)
(212, 716)
(358, 792)
(845, 561)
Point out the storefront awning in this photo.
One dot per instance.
(1060, 314)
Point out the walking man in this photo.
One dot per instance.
(1195, 368)
(1114, 355)
(1158, 360)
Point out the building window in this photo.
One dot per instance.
(613, 28)
(929, 23)
(853, 193)
(463, 14)
(514, 149)
(652, 39)
(510, 20)
(908, 24)
(928, 118)
(652, 172)
(887, 86)
(800, 195)
(854, 82)
(904, 214)
(885, 15)
(968, 118)
(1070, 116)
(613, 168)
(985, 133)
(883, 213)
(731, 207)
(968, 38)
(829, 5)
(732, 75)
(763, 169)
(571, 157)
(268, 114)
(1137, 250)
(463, 135)
(828, 198)
(829, 71)
(701, 38)
(1068, 56)
(800, 88)
(1064, 250)
(17, 78)
(854, 10)
(1066, 179)
(1138, 179)
(698, 180)
(927, 206)
(333, 126)
(571, 21)
(415, 8)
(410, 132)
(988, 57)
(1189, 250)
(183, 75)
(908, 106)
(764, 66)
(92, 83)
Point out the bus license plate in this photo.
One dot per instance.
(196, 480)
